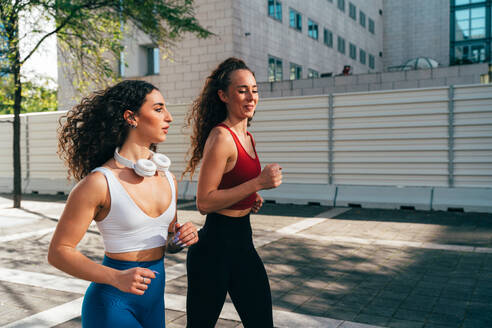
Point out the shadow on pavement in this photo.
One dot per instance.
(388, 286)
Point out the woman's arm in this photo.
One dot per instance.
(187, 232)
(219, 148)
(82, 205)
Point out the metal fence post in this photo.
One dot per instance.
(27, 150)
(451, 136)
(330, 138)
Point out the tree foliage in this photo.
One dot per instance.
(37, 97)
(89, 35)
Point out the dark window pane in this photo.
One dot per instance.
(362, 19)
(341, 5)
(352, 11)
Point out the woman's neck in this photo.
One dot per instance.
(239, 126)
(134, 151)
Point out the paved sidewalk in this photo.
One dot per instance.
(327, 267)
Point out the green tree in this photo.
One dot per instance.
(36, 97)
(89, 34)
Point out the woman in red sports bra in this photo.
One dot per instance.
(224, 260)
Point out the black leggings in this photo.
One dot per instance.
(225, 260)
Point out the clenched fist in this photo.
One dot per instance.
(270, 177)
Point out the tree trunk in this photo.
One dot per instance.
(17, 110)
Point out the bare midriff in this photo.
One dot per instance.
(139, 256)
(234, 213)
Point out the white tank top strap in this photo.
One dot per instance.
(169, 177)
(115, 187)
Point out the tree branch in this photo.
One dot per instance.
(61, 26)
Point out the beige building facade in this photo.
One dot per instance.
(278, 39)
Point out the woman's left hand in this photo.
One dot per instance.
(186, 234)
(258, 203)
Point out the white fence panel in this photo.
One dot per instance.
(396, 145)
(393, 138)
(473, 136)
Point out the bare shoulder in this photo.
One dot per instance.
(93, 188)
(219, 137)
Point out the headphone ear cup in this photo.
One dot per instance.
(145, 168)
(161, 161)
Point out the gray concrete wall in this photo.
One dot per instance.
(416, 28)
(441, 76)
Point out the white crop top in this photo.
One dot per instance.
(126, 228)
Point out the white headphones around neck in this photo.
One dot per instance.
(145, 167)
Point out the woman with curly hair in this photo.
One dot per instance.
(225, 260)
(128, 191)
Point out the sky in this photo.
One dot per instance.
(43, 63)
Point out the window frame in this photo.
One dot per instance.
(297, 22)
(473, 49)
(341, 5)
(371, 26)
(372, 61)
(297, 73)
(362, 19)
(352, 11)
(354, 53)
(340, 50)
(309, 29)
(278, 63)
(276, 4)
(362, 56)
(311, 73)
(326, 32)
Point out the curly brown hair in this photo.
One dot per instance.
(208, 109)
(89, 133)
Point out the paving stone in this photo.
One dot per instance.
(362, 283)
(419, 303)
(373, 319)
(395, 323)
(410, 315)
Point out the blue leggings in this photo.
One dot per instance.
(105, 306)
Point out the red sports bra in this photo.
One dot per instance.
(246, 168)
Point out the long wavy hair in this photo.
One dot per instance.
(89, 133)
(208, 109)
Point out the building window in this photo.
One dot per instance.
(295, 19)
(312, 74)
(471, 31)
(312, 29)
(362, 19)
(352, 51)
(341, 5)
(152, 58)
(371, 26)
(362, 56)
(275, 72)
(328, 37)
(275, 9)
(470, 24)
(470, 53)
(341, 45)
(295, 72)
(352, 11)
(466, 2)
(371, 61)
